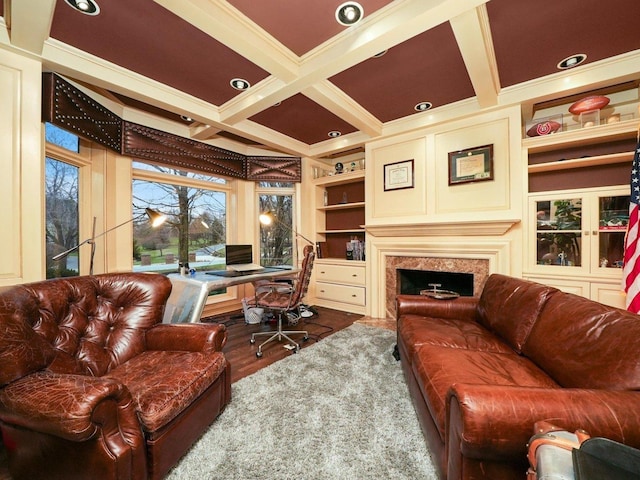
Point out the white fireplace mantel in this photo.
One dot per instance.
(480, 228)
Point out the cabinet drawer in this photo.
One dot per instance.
(352, 275)
(340, 293)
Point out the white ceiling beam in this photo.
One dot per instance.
(343, 106)
(223, 22)
(389, 26)
(473, 35)
(29, 23)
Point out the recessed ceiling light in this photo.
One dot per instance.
(88, 7)
(378, 55)
(186, 118)
(239, 83)
(423, 106)
(572, 61)
(349, 13)
(334, 134)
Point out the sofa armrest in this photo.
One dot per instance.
(461, 308)
(496, 422)
(73, 407)
(191, 337)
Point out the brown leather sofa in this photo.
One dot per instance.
(93, 385)
(482, 370)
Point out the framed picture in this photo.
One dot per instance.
(471, 165)
(398, 175)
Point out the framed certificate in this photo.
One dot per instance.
(398, 175)
(471, 165)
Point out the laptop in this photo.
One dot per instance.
(239, 258)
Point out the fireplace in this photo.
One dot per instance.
(473, 270)
(412, 282)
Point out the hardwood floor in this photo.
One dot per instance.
(242, 354)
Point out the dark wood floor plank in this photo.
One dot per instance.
(242, 354)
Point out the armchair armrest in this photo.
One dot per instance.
(489, 421)
(462, 308)
(73, 407)
(192, 337)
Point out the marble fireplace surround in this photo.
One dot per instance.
(477, 266)
(478, 247)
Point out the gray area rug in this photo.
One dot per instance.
(339, 409)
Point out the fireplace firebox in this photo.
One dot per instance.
(411, 282)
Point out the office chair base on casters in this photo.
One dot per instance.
(279, 335)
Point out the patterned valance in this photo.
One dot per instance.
(69, 108)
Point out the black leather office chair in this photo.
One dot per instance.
(285, 301)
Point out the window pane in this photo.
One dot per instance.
(276, 240)
(61, 137)
(172, 171)
(275, 185)
(194, 233)
(61, 205)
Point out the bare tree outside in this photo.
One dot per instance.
(195, 231)
(61, 205)
(277, 239)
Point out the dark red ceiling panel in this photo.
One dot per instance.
(531, 38)
(302, 119)
(426, 68)
(142, 36)
(300, 25)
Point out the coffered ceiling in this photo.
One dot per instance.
(310, 75)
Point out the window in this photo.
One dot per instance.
(61, 207)
(195, 231)
(277, 240)
(63, 164)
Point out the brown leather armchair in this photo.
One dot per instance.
(93, 385)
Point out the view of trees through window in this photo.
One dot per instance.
(195, 205)
(277, 239)
(61, 205)
(195, 230)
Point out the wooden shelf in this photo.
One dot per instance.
(583, 136)
(342, 206)
(611, 159)
(340, 179)
(350, 230)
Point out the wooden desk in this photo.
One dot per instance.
(189, 293)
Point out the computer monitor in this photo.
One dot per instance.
(238, 254)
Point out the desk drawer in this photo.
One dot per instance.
(352, 275)
(341, 293)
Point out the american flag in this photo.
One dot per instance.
(631, 270)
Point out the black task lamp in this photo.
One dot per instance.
(267, 218)
(155, 218)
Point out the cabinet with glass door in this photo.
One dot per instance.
(580, 231)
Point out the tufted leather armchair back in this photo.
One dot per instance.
(82, 325)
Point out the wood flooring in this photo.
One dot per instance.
(242, 354)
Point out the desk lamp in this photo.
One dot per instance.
(155, 218)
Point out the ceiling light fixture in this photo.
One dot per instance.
(334, 133)
(349, 13)
(423, 106)
(186, 118)
(88, 7)
(572, 61)
(239, 83)
(378, 55)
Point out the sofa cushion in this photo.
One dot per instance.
(438, 368)
(417, 330)
(510, 306)
(584, 344)
(164, 383)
